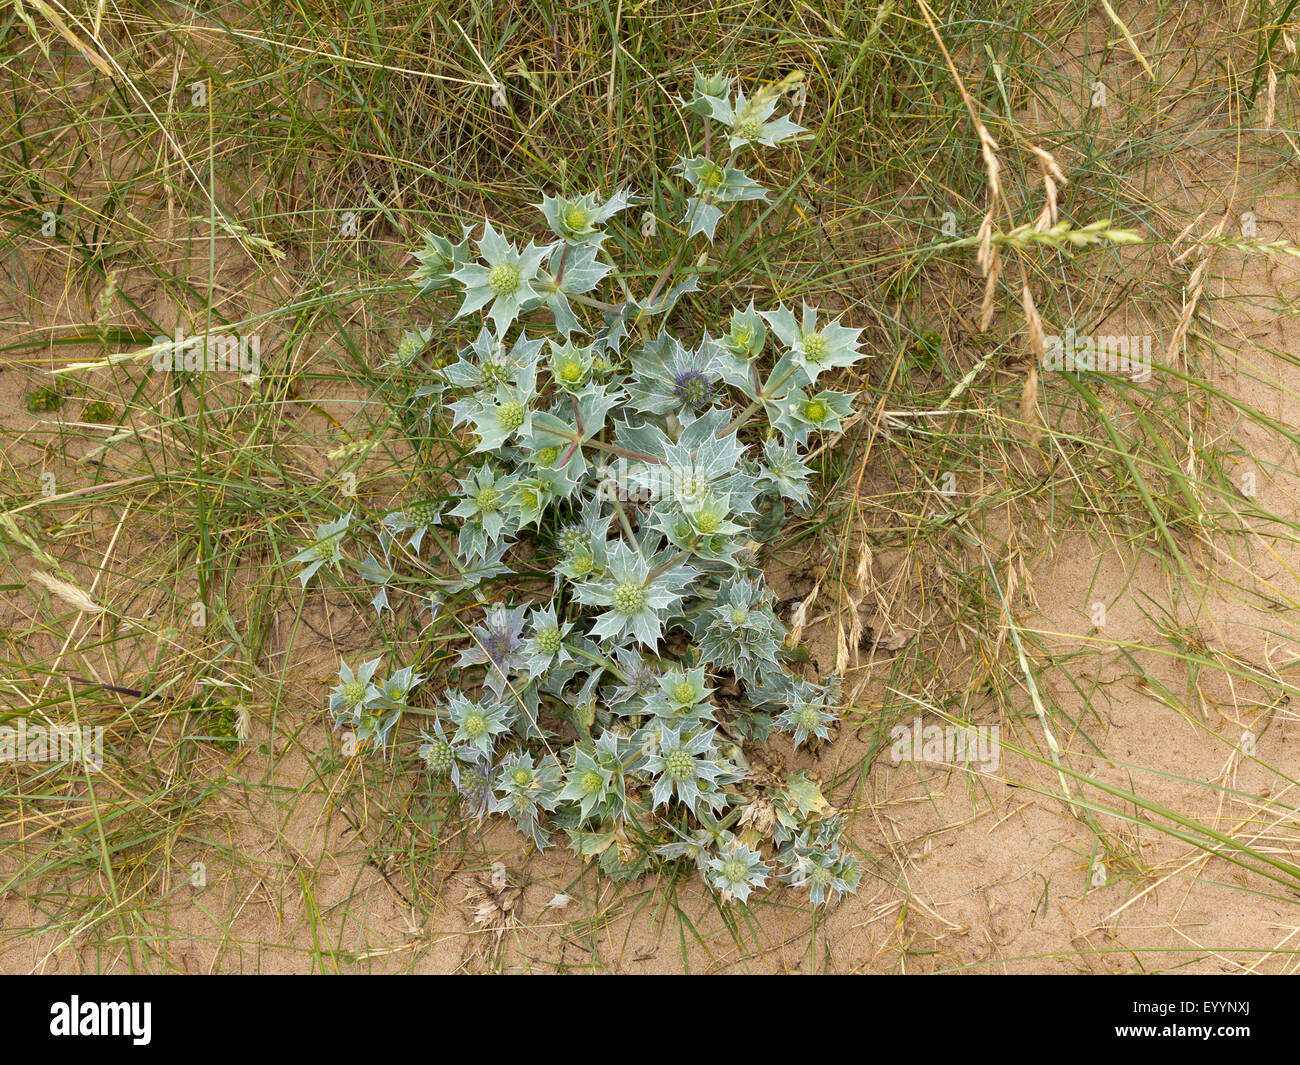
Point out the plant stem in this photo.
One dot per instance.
(578, 297)
(627, 454)
(763, 397)
(600, 659)
(658, 571)
(626, 525)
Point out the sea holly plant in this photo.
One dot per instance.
(597, 549)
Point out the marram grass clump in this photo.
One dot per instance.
(642, 470)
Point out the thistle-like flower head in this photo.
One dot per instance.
(417, 519)
(355, 691)
(709, 90)
(809, 710)
(692, 389)
(682, 697)
(570, 366)
(484, 496)
(812, 351)
(506, 280)
(588, 783)
(785, 472)
(503, 414)
(638, 592)
(485, 364)
(525, 789)
(713, 185)
(746, 335)
(685, 688)
(821, 867)
(802, 414)
(360, 703)
(475, 788)
(737, 870)
(396, 688)
(686, 767)
(442, 757)
(477, 723)
(499, 645)
(326, 549)
(545, 647)
(668, 378)
(751, 119)
(640, 676)
(413, 342)
(740, 632)
(578, 220)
